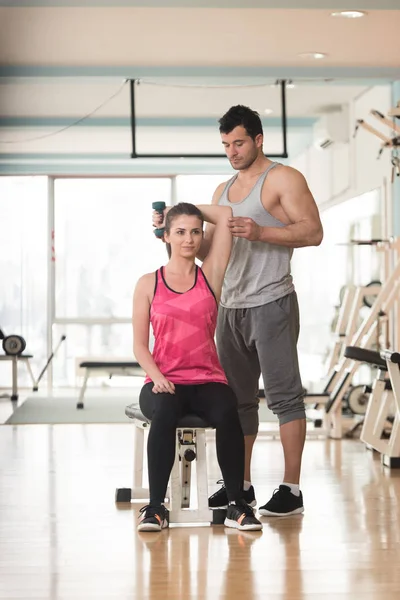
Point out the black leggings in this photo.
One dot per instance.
(215, 403)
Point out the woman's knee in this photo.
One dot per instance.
(159, 408)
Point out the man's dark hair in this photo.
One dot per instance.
(244, 116)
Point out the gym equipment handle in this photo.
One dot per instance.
(390, 356)
(159, 207)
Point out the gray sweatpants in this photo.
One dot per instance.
(263, 340)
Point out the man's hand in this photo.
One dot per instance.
(244, 227)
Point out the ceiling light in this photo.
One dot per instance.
(314, 55)
(268, 111)
(349, 14)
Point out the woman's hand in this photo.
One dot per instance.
(163, 386)
(159, 219)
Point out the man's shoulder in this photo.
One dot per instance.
(283, 175)
(219, 191)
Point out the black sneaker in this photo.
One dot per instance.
(220, 498)
(153, 518)
(241, 516)
(283, 503)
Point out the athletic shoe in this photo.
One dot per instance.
(241, 516)
(220, 498)
(153, 518)
(283, 503)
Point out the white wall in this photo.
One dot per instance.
(346, 170)
(347, 181)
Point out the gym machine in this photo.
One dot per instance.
(381, 424)
(385, 304)
(14, 346)
(388, 142)
(373, 332)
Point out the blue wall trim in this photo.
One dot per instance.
(25, 122)
(282, 4)
(113, 164)
(133, 168)
(382, 74)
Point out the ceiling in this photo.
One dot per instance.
(60, 61)
(195, 37)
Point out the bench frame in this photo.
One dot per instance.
(180, 489)
(109, 368)
(381, 404)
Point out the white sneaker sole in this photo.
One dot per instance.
(236, 525)
(152, 526)
(266, 513)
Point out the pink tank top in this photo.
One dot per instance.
(184, 327)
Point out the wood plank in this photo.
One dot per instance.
(62, 537)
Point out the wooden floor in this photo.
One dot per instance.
(62, 537)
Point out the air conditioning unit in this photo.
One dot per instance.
(332, 128)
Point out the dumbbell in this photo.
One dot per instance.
(159, 207)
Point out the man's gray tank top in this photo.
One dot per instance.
(257, 272)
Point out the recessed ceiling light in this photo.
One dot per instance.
(268, 111)
(349, 14)
(315, 55)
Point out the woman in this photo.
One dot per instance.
(184, 375)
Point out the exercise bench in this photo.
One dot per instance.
(117, 367)
(383, 405)
(190, 446)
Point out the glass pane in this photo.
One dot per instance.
(92, 342)
(104, 243)
(319, 274)
(197, 189)
(23, 268)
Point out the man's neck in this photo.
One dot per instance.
(259, 166)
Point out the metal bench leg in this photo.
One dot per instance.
(205, 514)
(14, 392)
(175, 485)
(181, 512)
(28, 366)
(138, 491)
(83, 390)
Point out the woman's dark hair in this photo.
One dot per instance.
(241, 116)
(183, 208)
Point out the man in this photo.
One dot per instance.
(258, 323)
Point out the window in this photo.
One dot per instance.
(198, 189)
(319, 274)
(103, 244)
(23, 268)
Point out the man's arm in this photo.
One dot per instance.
(304, 227)
(210, 228)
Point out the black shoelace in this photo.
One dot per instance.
(248, 511)
(152, 511)
(219, 482)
